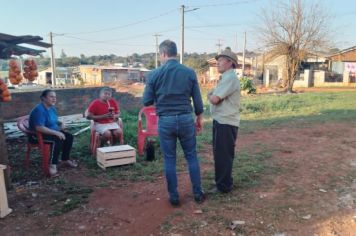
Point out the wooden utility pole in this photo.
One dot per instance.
(53, 60)
(182, 31)
(182, 35)
(243, 56)
(156, 36)
(219, 46)
(236, 44)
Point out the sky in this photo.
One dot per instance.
(102, 27)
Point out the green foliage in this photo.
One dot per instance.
(340, 105)
(197, 62)
(248, 167)
(67, 197)
(141, 170)
(247, 85)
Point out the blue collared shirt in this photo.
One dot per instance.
(171, 88)
(42, 116)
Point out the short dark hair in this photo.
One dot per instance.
(168, 47)
(45, 93)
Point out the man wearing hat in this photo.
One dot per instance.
(225, 104)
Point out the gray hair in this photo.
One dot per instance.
(105, 89)
(168, 47)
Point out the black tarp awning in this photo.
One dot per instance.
(9, 45)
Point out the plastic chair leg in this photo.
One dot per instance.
(122, 138)
(45, 159)
(141, 144)
(27, 157)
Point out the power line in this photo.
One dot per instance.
(118, 39)
(212, 26)
(126, 25)
(206, 22)
(224, 4)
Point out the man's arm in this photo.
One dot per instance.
(213, 99)
(148, 97)
(196, 95)
(198, 106)
(199, 123)
(223, 90)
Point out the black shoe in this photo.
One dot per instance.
(174, 202)
(199, 198)
(214, 190)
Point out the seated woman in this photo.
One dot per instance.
(105, 112)
(43, 118)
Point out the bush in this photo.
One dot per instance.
(247, 84)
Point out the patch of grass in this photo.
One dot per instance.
(247, 169)
(272, 110)
(67, 196)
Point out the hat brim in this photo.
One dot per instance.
(230, 58)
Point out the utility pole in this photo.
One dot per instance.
(236, 49)
(243, 56)
(156, 36)
(53, 60)
(219, 46)
(182, 36)
(182, 11)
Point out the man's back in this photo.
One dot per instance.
(171, 87)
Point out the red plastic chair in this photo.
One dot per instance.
(22, 124)
(95, 137)
(151, 127)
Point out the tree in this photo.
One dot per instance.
(294, 29)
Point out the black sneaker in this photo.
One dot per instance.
(199, 198)
(214, 190)
(174, 202)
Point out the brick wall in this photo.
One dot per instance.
(69, 101)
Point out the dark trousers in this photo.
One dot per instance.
(57, 146)
(224, 139)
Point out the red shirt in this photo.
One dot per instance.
(97, 107)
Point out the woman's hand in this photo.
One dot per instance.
(60, 135)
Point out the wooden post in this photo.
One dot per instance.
(4, 160)
(4, 207)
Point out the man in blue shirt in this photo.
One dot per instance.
(44, 119)
(171, 88)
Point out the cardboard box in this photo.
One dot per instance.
(115, 156)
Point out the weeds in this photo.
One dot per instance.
(67, 196)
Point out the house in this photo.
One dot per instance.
(99, 75)
(275, 70)
(64, 76)
(344, 63)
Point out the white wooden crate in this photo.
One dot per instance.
(4, 208)
(115, 156)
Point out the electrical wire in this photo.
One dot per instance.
(223, 4)
(126, 25)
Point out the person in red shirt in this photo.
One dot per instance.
(105, 111)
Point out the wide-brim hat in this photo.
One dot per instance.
(229, 54)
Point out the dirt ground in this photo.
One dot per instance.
(313, 192)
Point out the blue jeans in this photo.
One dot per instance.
(181, 127)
